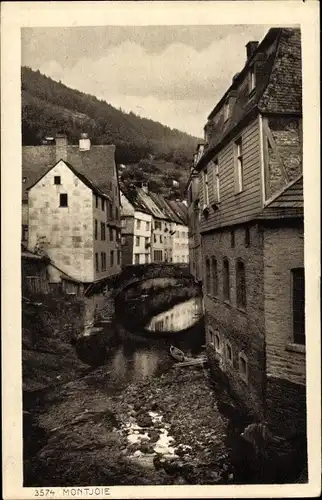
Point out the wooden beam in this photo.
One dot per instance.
(274, 147)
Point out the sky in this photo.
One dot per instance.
(171, 74)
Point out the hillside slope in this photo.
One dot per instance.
(49, 107)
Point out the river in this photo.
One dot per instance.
(141, 355)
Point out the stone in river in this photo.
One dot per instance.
(144, 420)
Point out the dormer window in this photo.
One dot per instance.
(24, 180)
(226, 110)
(251, 80)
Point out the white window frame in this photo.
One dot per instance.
(239, 167)
(205, 188)
(216, 181)
(251, 79)
(226, 110)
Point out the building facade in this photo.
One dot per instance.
(194, 240)
(251, 215)
(136, 230)
(153, 228)
(73, 208)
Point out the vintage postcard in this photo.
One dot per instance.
(161, 265)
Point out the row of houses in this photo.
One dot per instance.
(246, 235)
(75, 214)
(153, 229)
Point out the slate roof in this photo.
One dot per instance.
(180, 210)
(97, 165)
(168, 211)
(131, 193)
(278, 87)
(290, 199)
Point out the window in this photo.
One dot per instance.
(137, 241)
(103, 261)
(147, 242)
(205, 188)
(298, 305)
(155, 238)
(239, 174)
(226, 284)
(243, 366)
(123, 240)
(137, 258)
(110, 210)
(95, 229)
(96, 263)
(96, 201)
(232, 239)
(247, 237)
(157, 224)
(207, 277)
(103, 204)
(63, 200)
(111, 234)
(57, 179)
(240, 284)
(216, 182)
(118, 257)
(161, 239)
(226, 110)
(103, 231)
(112, 258)
(146, 258)
(251, 79)
(116, 213)
(229, 352)
(147, 226)
(214, 276)
(138, 224)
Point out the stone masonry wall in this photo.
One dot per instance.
(283, 251)
(244, 329)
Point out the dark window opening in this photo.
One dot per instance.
(95, 229)
(226, 288)
(63, 200)
(96, 201)
(112, 257)
(298, 303)
(96, 262)
(57, 179)
(103, 232)
(240, 284)
(214, 276)
(229, 353)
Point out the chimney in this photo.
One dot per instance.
(84, 142)
(145, 187)
(250, 48)
(61, 147)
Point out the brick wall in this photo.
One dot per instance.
(283, 250)
(244, 329)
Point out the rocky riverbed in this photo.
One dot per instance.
(167, 430)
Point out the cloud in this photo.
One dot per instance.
(176, 86)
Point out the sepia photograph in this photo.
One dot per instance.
(163, 266)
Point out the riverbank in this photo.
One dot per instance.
(90, 432)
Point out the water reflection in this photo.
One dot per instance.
(138, 355)
(179, 317)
